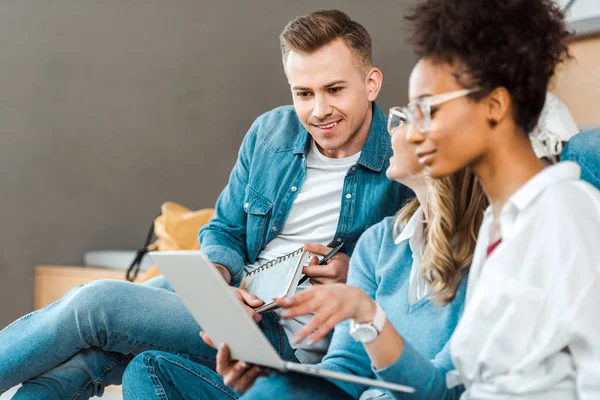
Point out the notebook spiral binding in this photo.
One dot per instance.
(276, 261)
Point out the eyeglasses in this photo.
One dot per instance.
(418, 111)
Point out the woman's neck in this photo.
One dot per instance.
(420, 189)
(507, 168)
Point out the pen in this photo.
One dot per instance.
(323, 260)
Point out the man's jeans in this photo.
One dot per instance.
(78, 345)
(159, 375)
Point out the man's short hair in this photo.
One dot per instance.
(309, 33)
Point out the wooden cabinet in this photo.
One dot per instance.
(53, 281)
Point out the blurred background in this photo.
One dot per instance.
(109, 108)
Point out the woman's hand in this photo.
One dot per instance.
(331, 304)
(236, 374)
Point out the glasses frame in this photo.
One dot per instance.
(425, 104)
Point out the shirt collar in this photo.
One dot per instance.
(374, 151)
(412, 227)
(376, 148)
(523, 197)
(303, 142)
(527, 194)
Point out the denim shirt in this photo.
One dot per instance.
(268, 175)
(584, 149)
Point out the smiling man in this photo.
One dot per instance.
(312, 173)
(309, 174)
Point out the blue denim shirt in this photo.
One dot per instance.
(270, 170)
(584, 149)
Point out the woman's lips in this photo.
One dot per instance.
(425, 157)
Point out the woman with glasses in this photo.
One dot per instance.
(411, 267)
(530, 324)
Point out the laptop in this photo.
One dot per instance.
(210, 300)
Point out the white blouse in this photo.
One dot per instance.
(414, 232)
(531, 324)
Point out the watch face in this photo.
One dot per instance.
(365, 333)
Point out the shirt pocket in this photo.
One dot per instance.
(497, 326)
(258, 212)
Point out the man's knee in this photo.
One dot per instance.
(139, 376)
(105, 293)
(159, 282)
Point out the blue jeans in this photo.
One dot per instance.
(158, 375)
(78, 345)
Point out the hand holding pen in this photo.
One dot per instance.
(332, 268)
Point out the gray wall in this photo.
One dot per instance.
(108, 108)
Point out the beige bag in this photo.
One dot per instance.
(176, 228)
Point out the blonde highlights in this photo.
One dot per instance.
(455, 206)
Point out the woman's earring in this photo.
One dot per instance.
(492, 122)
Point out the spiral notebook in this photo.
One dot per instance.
(276, 278)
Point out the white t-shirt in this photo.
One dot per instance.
(313, 218)
(315, 213)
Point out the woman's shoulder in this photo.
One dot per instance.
(571, 198)
(376, 240)
(382, 231)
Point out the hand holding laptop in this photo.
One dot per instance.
(217, 309)
(239, 375)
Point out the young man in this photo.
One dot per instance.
(312, 173)
(327, 157)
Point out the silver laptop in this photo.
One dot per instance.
(220, 314)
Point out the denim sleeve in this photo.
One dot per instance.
(583, 149)
(223, 239)
(345, 354)
(428, 377)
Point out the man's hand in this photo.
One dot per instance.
(225, 272)
(236, 374)
(250, 301)
(335, 271)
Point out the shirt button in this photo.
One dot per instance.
(294, 188)
(348, 196)
(274, 229)
(246, 206)
(353, 168)
(339, 240)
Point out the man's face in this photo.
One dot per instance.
(332, 96)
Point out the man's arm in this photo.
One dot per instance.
(223, 239)
(225, 272)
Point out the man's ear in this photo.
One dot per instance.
(374, 80)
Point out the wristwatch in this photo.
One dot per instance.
(368, 332)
